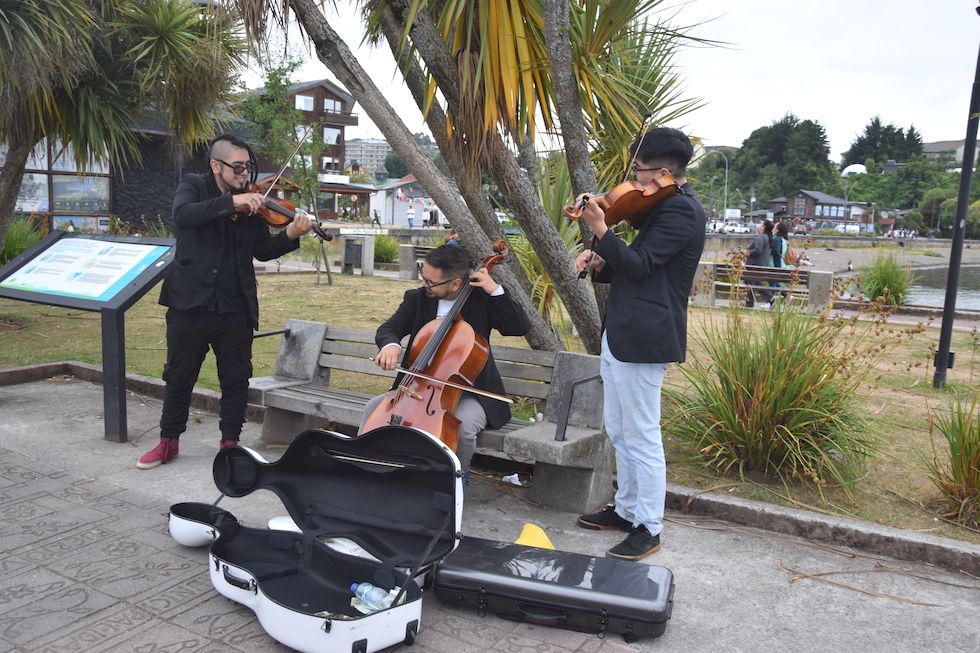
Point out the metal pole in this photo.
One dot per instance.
(959, 231)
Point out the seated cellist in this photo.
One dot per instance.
(444, 273)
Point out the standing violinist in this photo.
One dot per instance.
(210, 289)
(645, 329)
(444, 273)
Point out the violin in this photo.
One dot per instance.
(279, 213)
(629, 201)
(446, 357)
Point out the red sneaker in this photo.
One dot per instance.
(162, 453)
(228, 443)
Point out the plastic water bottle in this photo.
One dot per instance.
(371, 596)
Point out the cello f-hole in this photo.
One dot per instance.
(429, 410)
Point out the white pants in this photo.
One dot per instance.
(631, 404)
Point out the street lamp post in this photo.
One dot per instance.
(726, 176)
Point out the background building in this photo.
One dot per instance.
(369, 153)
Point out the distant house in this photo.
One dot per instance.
(814, 206)
(947, 153)
(53, 189)
(402, 199)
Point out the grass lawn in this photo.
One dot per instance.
(897, 404)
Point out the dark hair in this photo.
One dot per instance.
(767, 229)
(235, 141)
(451, 259)
(664, 147)
(782, 230)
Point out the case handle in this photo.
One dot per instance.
(531, 615)
(248, 585)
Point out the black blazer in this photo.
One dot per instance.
(203, 230)
(483, 313)
(646, 313)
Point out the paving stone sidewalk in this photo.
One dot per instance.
(88, 565)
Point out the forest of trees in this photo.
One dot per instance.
(793, 154)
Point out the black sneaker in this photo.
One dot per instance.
(604, 520)
(638, 543)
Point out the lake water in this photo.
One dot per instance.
(929, 288)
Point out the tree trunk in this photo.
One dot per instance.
(569, 108)
(11, 176)
(514, 183)
(541, 335)
(336, 56)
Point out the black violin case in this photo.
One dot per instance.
(557, 588)
(395, 492)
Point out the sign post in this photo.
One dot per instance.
(93, 272)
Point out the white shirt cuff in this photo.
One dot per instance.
(498, 292)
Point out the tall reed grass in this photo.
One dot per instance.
(886, 280)
(775, 392)
(956, 472)
(385, 249)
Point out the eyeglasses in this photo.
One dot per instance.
(238, 168)
(432, 284)
(636, 170)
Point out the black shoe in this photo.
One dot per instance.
(638, 543)
(604, 520)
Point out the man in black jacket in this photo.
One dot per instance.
(489, 306)
(645, 329)
(210, 290)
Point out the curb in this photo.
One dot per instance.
(840, 531)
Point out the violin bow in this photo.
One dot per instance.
(464, 388)
(285, 165)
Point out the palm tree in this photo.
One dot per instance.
(488, 62)
(84, 71)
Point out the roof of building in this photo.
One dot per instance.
(942, 146)
(824, 198)
(333, 87)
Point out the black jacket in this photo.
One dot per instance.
(483, 313)
(646, 313)
(204, 234)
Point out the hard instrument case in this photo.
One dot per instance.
(395, 492)
(557, 588)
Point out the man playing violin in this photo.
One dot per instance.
(210, 290)
(645, 329)
(443, 273)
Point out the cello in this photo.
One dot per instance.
(445, 358)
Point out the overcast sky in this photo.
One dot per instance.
(837, 62)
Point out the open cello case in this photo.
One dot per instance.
(378, 508)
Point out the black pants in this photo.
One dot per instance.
(189, 334)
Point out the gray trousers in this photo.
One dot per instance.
(472, 419)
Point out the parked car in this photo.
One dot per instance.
(799, 230)
(716, 227)
(852, 229)
(737, 228)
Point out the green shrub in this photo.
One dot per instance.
(385, 249)
(21, 234)
(958, 475)
(777, 395)
(885, 280)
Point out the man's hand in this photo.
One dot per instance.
(594, 216)
(387, 358)
(300, 225)
(247, 202)
(582, 261)
(482, 279)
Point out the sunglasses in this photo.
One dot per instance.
(432, 284)
(238, 168)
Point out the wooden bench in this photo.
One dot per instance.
(317, 363)
(717, 280)
(409, 257)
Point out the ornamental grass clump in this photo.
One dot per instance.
(775, 393)
(956, 472)
(886, 280)
(385, 249)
